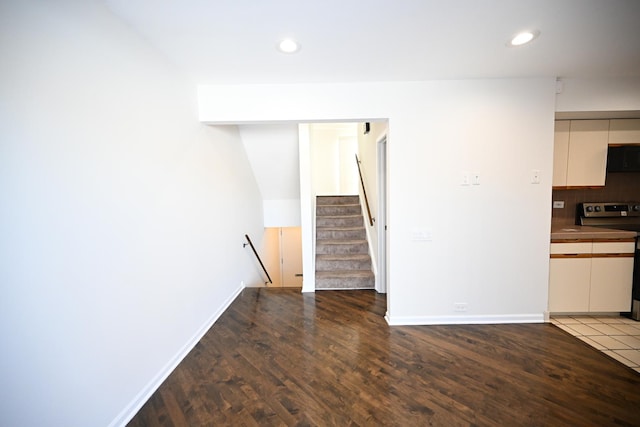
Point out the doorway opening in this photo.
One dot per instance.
(370, 148)
(281, 250)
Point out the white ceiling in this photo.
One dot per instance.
(234, 41)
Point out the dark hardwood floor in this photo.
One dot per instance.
(279, 357)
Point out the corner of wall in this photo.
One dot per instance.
(141, 398)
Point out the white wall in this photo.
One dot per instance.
(602, 94)
(490, 244)
(273, 153)
(333, 149)
(122, 216)
(349, 180)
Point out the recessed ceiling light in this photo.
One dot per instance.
(523, 38)
(288, 46)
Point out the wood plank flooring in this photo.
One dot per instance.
(277, 357)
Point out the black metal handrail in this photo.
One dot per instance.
(364, 193)
(257, 256)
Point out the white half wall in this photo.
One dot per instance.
(122, 216)
(490, 242)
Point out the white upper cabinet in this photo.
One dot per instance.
(624, 131)
(561, 153)
(588, 141)
(580, 153)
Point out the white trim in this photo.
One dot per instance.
(465, 320)
(374, 263)
(307, 211)
(382, 285)
(145, 394)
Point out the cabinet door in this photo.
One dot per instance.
(588, 141)
(561, 152)
(569, 284)
(611, 280)
(624, 131)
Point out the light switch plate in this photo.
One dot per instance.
(558, 204)
(421, 235)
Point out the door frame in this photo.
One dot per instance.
(382, 276)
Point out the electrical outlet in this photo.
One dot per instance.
(558, 204)
(465, 178)
(535, 176)
(460, 306)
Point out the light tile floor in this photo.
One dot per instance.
(618, 337)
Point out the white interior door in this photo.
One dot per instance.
(291, 256)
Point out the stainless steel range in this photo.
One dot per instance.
(619, 216)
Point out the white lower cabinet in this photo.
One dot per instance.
(611, 281)
(569, 284)
(590, 277)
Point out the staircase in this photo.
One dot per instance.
(342, 251)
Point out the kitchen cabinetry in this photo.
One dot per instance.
(580, 153)
(561, 152)
(611, 276)
(590, 276)
(569, 277)
(624, 131)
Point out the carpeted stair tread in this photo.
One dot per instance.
(340, 241)
(342, 250)
(334, 228)
(346, 257)
(339, 221)
(340, 216)
(344, 262)
(344, 273)
(336, 233)
(338, 210)
(337, 200)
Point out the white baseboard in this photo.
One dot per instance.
(141, 398)
(464, 320)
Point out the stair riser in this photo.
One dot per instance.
(350, 221)
(358, 234)
(343, 265)
(338, 210)
(345, 283)
(337, 200)
(341, 249)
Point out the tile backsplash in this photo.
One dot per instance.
(620, 187)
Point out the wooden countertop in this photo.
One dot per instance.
(579, 232)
